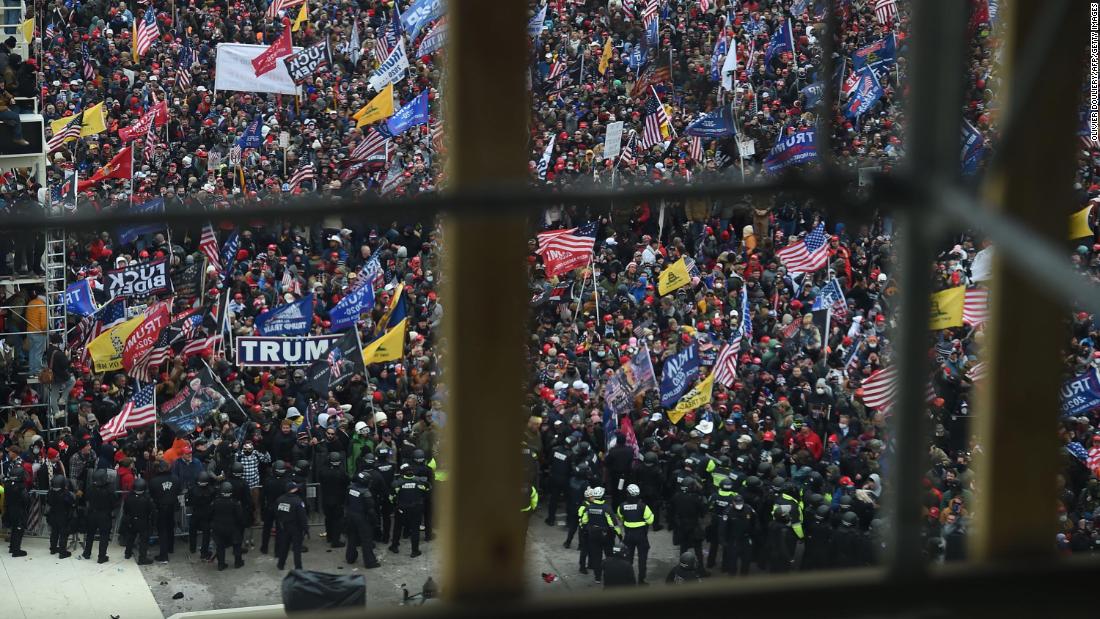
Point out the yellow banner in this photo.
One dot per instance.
(605, 58)
(1079, 223)
(106, 349)
(389, 347)
(698, 396)
(94, 121)
(28, 30)
(947, 308)
(378, 108)
(303, 17)
(674, 277)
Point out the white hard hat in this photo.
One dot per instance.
(597, 492)
(379, 417)
(361, 427)
(588, 493)
(322, 420)
(633, 490)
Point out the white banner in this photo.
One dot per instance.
(393, 69)
(234, 71)
(613, 140)
(283, 351)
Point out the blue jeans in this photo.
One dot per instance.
(37, 352)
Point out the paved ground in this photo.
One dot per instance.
(258, 582)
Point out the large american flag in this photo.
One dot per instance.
(881, 388)
(372, 144)
(302, 174)
(71, 130)
(187, 57)
(976, 306)
(208, 245)
(572, 240)
(886, 11)
(147, 32)
(385, 39)
(149, 148)
(199, 345)
(655, 118)
(725, 367)
(649, 13)
(89, 68)
(808, 255)
(141, 410)
(281, 5)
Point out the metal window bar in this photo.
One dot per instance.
(927, 194)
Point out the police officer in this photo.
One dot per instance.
(599, 527)
(101, 503)
(578, 486)
(741, 530)
(782, 541)
(16, 504)
(379, 492)
(687, 570)
(618, 569)
(290, 525)
(361, 518)
(387, 471)
(720, 504)
(61, 502)
(651, 480)
(421, 469)
(409, 496)
(334, 486)
(849, 547)
(138, 514)
(561, 464)
(789, 495)
(689, 508)
(165, 490)
(201, 499)
(819, 536)
(227, 519)
(636, 517)
(273, 488)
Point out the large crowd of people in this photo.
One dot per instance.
(782, 468)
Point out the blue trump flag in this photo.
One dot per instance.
(679, 374)
(879, 55)
(412, 114)
(813, 94)
(290, 319)
(794, 149)
(347, 311)
(229, 253)
(252, 136)
(420, 14)
(973, 148)
(129, 234)
(868, 91)
(78, 298)
(829, 296)
(713, 125)
(782, 41)
(716, 58)
(1081, 394)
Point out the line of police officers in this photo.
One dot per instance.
(743, 510)
(377, 503)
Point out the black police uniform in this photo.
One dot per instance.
(271, 491)
(138, 515)
(819, 537)
(380, 494)
(361, 517)
(721, 503)
(334, 484)
(650, 482)
(201, 499)
(290, 528)
(60, 501)
(561, 463)
(782, 543)
(101, 503)
(165, 491)
(599, 528)
(741, 529)
(689, 508)
(575, 495)
(387, 511)
(636, 518)
(227, 521)
(16, 504)
(409, 495)
(618, 571)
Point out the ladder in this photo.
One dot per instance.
(54, 265)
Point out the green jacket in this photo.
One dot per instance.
(358, 443)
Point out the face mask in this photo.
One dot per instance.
(738, 507)
(843, 426)
(820, 391)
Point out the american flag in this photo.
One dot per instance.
(89, 68)
(725, 368)
(557, 69)
(302, 174)
(200, 345)
(189, 328)
(147, 32)
(187, 57)
(385, 39)
(208, 245)
(977, 372)
(628, 10)
(627, 155)
(144, 369)
(51, 32)
(235, 154)
(372, 144)
(111, 314)
(1093, 461)
(335, 355)
(281, 5)
(886, 11)
(71, 130)
(289, 283)
(141, 410)
(649, 13)
(808, 255)
(655, 118)
(695, 149)
(149, 148)
(976, 307)
(437, 134)
(572, 240)
(881, 388)
(744, 329)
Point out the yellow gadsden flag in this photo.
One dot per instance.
(379, 108)
(605, 58)
(1079, 223)
(674, 277)
(302, 18)
(698, 396)
(106, 349)
(389, 347)
(28, 30)
(947, 308)
(94, 121)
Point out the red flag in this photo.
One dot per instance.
(627, 428)
(157, 114)
(141, 341)
(120, 166)
(268, 58)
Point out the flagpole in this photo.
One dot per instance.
(155, 422)
(228, 393)
(794, 52)
(131, 177)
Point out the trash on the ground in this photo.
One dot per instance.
(178, 595)
(549, 577)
